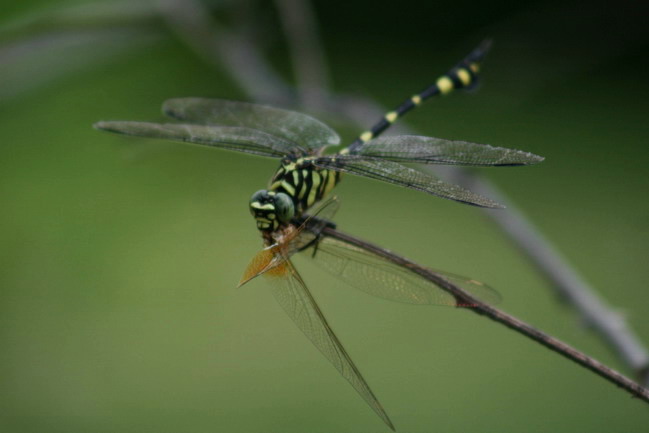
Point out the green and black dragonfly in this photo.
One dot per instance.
(305, 178)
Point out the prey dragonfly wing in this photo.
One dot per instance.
(307, 175)
(360, 268)
(293, 295)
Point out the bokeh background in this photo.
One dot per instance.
(120, 257)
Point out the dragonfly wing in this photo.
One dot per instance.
(292, 294)
(431, 150)
(302, 130)
(319, 217)
(264, 261)
(392, 172)
(274, 255)
(225, 137)
(324, 210)
(373, 274)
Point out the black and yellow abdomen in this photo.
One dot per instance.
(305, 183)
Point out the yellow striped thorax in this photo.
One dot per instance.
(296, 186)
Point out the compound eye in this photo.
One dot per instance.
(284, 207)
(260, 196)
(260, 200)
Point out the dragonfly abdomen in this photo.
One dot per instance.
(462, 76)
(305, 183)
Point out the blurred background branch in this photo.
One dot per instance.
(274, 52)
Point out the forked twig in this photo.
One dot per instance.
(497, 315)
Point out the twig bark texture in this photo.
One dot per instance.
(499, 316)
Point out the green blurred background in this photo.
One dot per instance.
(120, 256)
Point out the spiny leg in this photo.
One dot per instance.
(464, 75)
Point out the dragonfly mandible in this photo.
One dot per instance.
(292, 213)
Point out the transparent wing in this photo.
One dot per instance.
(300, 129)
(392, 172)
(319, 217)
(324, 210)
(430, 150)
(378, 277)
(225, 137)
(294, 297)
(297, 240)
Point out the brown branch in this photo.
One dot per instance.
(567, 281)
(492, 313)
(568, 284)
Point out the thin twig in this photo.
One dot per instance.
(307, 55)
(224, 48)
(525, 236)
(566, 281)
(30, 62)
(511, 322)
(76, 18)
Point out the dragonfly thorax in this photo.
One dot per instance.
(271, 209)
(301, 179)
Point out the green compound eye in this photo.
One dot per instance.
(284, 207)
(270, 209)
(259, 201)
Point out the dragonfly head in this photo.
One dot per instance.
(271, 209)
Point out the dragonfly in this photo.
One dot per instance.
(294, 212)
